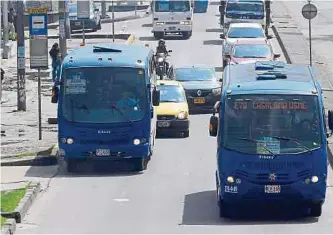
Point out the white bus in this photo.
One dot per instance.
(172, 16)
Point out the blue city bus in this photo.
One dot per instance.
(106, 105)
(271, 138)
(200, 6)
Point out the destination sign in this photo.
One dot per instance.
(271, 105)
(37, 10)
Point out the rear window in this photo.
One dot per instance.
(246, 32)
(194, 74)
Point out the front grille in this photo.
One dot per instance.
(245, 17)
(273, 166)
(176, 22)
(105, 142)
(166, 117)
(194, 93)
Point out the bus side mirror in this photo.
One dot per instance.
(220, 9)
(269, 37)
(330, 120)
(55, 95)
(156, 97)
(222, 36)
(276, 56)
(220, 79)
(213, 124)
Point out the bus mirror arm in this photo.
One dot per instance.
(330, 120)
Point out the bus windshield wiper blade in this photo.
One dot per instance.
(121, 112)
(256, 142)
(293, 140)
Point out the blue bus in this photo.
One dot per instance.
(200, 6)
(106, 105)
(271, 138)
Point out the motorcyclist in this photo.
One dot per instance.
(161, 48)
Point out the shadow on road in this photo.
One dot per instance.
(147, 25)
(167, 37)
(201, 209)
(214, 30)
(213, 42)
(170, 136)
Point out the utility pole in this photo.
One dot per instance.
(5, 52)
(21, 93)
(103, 6)
(62, 28)
(113, 37)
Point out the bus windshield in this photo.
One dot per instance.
(272, 124)
(246, 7)
(172, 6)
(104, 95)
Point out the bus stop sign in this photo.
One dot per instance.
(309, 11)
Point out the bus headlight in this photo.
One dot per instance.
(230, 179)
(186, 22)
(314, 179)
(159, 23)
(138, 141)
(70, 141)
(216, 91)
(182, 115)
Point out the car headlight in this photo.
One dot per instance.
(182, 115)
(186, 22)
(70, 141)
(159, 23)
(216, 91)
(160, 60)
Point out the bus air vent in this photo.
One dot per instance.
(105, 49)
(271, 75)
(269, 65)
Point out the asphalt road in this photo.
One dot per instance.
(177, 192)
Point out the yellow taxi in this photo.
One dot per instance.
(172, 113)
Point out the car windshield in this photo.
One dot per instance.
(194, 74)
(246, 7)
(271, 124)
(252, 51)
(171, 94)
(104, 95)
(172, 6)
(246, 32)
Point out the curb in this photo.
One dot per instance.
(41, 160)
(281, 44)
(21, 210)
(122, 36)
(9, 227)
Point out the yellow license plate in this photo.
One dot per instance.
(199, 100)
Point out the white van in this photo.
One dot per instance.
(172, 16)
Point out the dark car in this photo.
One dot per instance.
(202, 86)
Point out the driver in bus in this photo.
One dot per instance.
(127, 102)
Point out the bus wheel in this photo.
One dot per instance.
(223, 209)
(71, 165)
(186, 35)
(186, 134)
(316, 210)
(141, 164)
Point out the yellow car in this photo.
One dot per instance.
(172, 113)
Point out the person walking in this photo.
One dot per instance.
(56, 61)
(11, 24)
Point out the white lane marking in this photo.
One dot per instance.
(121, 200)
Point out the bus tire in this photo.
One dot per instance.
(186, 134)
(223, 209)
(141, 164)
(316, 210)
(71, 165)
(186, 35)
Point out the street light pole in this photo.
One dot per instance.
(62, 28)
(21, 92)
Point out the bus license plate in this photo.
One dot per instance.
(172, 28)
(103, 152)
(199, 100)
(163, 124)
(272, 188)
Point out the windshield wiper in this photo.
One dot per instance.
(256, 142)
(293, 140)
(121, 112)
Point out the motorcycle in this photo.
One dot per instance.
(161, 68)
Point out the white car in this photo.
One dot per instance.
(242, 31)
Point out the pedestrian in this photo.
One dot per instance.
(11, 24)
(56, 61)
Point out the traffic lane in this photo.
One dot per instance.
(322, 30)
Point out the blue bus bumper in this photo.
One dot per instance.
(116, 153)
(297, 193)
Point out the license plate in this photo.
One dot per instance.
(103, 152)
(272, 188)
(163, 124)
(172, 28)
(77, 23)
(199, 100)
